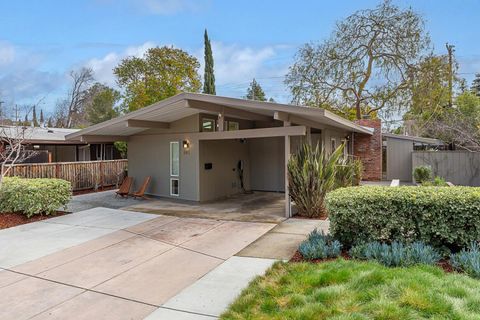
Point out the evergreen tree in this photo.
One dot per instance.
(26, 122)
(209, 76)
(34, 117)
(476, 85)
(49, 123)
(255, 92)
(42, 119)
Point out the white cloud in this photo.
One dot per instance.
(236, 66)
(168, 7)
(103, 67)
(7, 53)
(21, 78)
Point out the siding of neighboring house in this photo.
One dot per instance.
(399, 159)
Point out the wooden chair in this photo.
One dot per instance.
(141, 192)
(125, 187)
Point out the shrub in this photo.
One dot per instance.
(348, 173)
(422, 174)
(468, 260)
(437, 182)
(358, 172)
(311, 174)
(396, 254)
(34, 196)
(319, 246)
(444, 217)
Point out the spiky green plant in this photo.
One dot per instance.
(311, 174)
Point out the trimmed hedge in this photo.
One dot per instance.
(444, 217)
(34, 196)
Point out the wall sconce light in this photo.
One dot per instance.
(186, 144)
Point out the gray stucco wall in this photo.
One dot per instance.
(399, 159)
(267, 160)
(149, 155)
(222, 179)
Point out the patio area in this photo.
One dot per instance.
(251, 207)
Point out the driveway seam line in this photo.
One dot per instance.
(82, 288)
(56, 305)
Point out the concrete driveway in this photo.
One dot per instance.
(113, 264)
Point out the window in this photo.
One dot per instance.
(333, 144)
(232, 126)
(208, 125)
(174, 187)
(174, 158)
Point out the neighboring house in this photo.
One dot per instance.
(398, 151)
(50, 145)
(201, 147)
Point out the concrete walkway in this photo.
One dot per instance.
(104, 199)
(133, 264)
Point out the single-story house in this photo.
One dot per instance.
(397, 154)
(202, 147)
(50, 145)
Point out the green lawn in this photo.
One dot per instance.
(354, 290)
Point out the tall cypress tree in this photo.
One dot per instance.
(42, 119)
(34, 117)
(476, 84)
(209, 76)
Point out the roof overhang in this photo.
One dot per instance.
(413, 138)
(162, 113)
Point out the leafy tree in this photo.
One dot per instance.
(209, 76)
(476, 84)
(50, 123)
(161, 73)
(101, 105)
(255, 92)
(34, 117)
(364, 65)
(460, 125)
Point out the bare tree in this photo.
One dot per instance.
(13, 143)
(73, 105)
(364, 65)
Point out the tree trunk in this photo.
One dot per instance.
(358, 110)
(1, 174)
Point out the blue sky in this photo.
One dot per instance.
(40, 41)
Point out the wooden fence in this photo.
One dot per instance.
(82, 175)
(458, 167)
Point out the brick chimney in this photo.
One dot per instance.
(368, 148)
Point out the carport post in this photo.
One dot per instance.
(288, 207)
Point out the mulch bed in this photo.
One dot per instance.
(8, 220)
(79, 192)
(297, 257)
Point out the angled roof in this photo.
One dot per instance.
(413, 138)
(179, 106)
(40, 135)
